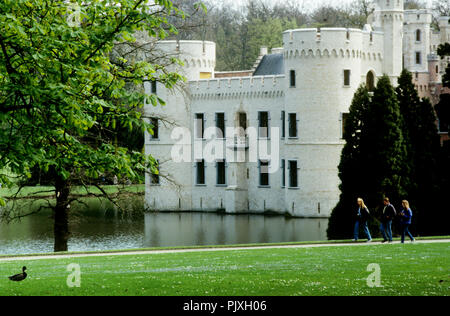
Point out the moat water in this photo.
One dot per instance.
(102, 228)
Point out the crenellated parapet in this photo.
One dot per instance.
(261, 86)
(333, 43)
(198, 57)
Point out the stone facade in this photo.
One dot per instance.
(302, 98)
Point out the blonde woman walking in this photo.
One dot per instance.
(405, 220)
(362, 216)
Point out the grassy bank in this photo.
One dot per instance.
(45, 191)
(280, 244)
(410, 269)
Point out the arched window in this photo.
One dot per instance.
(370, 81)
(418, 36)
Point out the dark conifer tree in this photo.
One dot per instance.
(422, 144)
(443, 112)
(383, 150)
(342, 216)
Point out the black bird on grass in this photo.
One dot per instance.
(20, 276)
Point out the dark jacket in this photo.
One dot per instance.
(362, 214)
(388, 213)
(405, 216)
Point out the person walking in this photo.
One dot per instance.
(405, 220)
(388, 215)
(362, 216)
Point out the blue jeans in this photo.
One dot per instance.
(365, 229)
(386, 230)
(405, 231)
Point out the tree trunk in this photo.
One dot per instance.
(61, 211)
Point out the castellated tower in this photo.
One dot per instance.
(444, 27)
(417, 41)
(199, 60)
(389, 18)
(323, 69)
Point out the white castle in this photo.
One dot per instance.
(295, 101)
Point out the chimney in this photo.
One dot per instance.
(263, 51)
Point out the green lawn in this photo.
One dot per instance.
(410, 269)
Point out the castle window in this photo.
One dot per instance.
(443, 126)
(348, 35)
(154, 86)
(155, 128)
(437, 69)
(199, 125)
(370, 81)
(293, 130)
(418, 36)
(263, 173)
(293, 174)
(343, 122)
(221, 173)
(220, 125)
(283, 124)
(200, 178)
(242, 122)
(347, 77)
(154, 177)
(283, 173)
(205, 75)
(292, 79)
(418, 58)
(263, 124)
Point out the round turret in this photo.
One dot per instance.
(433, 68)
(198, 57)
(335, 60)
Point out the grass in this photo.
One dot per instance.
(295, 243)
(410, 269)
(43, 191)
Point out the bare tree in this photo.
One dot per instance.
(442, 7)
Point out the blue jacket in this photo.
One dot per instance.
(405, 216)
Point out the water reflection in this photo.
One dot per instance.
(104, 228)
(187, 229)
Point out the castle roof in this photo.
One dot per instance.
(270, 65)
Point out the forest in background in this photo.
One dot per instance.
(240, 32)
